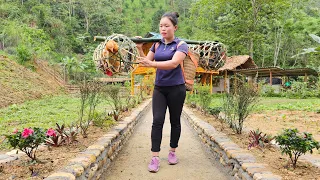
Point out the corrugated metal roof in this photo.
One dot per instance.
(276, 71)
(155, 35)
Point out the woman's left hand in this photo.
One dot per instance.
(146, 62)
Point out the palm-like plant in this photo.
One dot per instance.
(310, 50)
(72, 65)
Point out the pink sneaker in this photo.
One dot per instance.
(172, 158)
(154, 165)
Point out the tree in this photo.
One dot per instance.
(156, 19)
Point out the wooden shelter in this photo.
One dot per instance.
(245, 65)
(234, 63)
(238, 62)
(276, 72)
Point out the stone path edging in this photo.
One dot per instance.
(91, 163)
(242, 165)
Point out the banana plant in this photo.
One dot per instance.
(72, 65)
(310, 50)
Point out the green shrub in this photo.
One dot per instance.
(190, 98)
(112, 93)
(295, 144)
(205, 97)
(267, 91)
(299, 90)
(238, 104)
(27, 140)
(102, 120)
(24, 55)
(215, 111)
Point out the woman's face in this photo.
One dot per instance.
(166, 28)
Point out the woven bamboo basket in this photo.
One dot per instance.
(115, 55)
(190, 69)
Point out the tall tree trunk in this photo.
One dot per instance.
(70, 10)
(255, 10)
(171, 3)
(262, 64)
(251, 48)
(87, 23)
(277, 41)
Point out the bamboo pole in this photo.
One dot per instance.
(146, 40)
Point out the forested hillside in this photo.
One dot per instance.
(272, 32)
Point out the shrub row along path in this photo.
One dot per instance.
(195, 162)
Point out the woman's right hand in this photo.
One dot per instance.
(139, 45)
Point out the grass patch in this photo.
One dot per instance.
(43, 113)
(278, 103)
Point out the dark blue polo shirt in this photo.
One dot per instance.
(165, 52)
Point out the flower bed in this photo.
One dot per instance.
(86, 159)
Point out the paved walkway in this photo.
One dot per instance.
(195, 162)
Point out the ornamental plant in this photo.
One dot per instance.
(27, 140)
(60, 136)
(238, 104)
(295, 144)
(54, 139)
(258, 139)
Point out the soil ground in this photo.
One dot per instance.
(194, 161)
(18, 84)
(272, 123)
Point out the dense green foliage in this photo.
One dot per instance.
(270, 31)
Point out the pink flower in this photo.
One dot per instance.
(15, 131)
(27, 132)
(51, 132)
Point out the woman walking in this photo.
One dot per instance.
(169, 90)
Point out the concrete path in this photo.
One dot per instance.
(194, 160)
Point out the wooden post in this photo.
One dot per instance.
(250, 83)
(204, 79)
(270, 78)
(210, 83)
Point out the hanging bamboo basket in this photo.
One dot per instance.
(117, 54)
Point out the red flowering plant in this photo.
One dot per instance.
(27, 141)
(55, 137)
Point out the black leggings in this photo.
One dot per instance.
(163, 97)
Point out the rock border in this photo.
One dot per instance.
(241, 165)
(97, 158)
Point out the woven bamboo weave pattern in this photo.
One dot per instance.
(190, 69)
